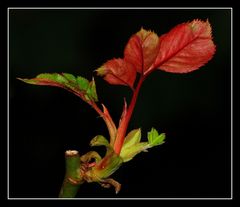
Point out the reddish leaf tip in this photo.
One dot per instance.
(142, 49)
(101, 71)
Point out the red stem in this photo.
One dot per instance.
(123, 125)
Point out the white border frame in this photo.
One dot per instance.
(126, 8)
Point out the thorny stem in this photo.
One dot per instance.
(123, 125)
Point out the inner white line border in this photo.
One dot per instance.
(119, 8)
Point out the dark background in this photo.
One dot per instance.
(192, 109)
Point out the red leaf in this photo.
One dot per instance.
(118, 72)
(186, 47)
(142, 49)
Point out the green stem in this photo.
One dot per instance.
(73, 179)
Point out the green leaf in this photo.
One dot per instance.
(83, 83)
(132, 145)
(99, 140)
(154, 138)
(53, 77)
(152, 134)
(129, 152)
(79, 86)
(69, 77)
(132, 138)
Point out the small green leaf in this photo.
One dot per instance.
(159, 140)
(99, 140)
(132, 145)
(154, 138)
(152, 135)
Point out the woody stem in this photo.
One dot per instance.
(73, 179)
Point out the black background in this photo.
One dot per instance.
(192, 109)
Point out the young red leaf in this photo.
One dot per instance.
(142, 49)
(186, 47)
(118, 72)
